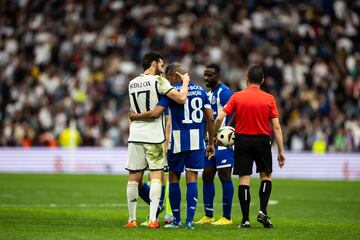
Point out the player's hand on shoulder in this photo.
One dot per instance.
(210, 151)
(281, 159)
(184, 77)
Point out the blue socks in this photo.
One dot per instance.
(144, 193)
(209, 194)
(191, 199)
(175, 199)
(228, 193)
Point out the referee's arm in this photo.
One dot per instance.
(229, 108)
(279, 140)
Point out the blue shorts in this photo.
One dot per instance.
(223, 158)
(190, 160)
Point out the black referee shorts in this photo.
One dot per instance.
(250, 148)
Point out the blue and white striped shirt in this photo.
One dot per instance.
(218, 99)
(187, 120)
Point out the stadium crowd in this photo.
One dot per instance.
(68, 63)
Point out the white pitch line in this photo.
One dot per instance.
(99, 205)
(273, 202)
(78, 205)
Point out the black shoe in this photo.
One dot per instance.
(265, 220)
(245, 224)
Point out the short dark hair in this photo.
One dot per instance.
(215, 67)
(255, 74)
(149, 57)
(170, 69)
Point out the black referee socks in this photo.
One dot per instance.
(244, 199)
(264, 194)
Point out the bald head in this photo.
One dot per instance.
(170, 72)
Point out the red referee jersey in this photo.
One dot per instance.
(253, 110)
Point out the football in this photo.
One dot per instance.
(226, 136)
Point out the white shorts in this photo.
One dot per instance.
(145, 155)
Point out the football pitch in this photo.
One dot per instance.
(40, 206)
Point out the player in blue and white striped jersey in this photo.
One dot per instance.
(187, 149)
(223, 160)
(187, 121)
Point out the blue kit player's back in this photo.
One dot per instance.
(187, 121)
(187, 148)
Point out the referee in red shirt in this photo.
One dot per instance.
(254, 111)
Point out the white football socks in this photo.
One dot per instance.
(155, 194)
(132, 196)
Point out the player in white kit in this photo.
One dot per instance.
(146, 138)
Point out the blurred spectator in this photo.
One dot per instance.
(70, 137)
(63, 60)
(340, 140)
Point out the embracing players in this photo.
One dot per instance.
(146, 137)
(187, 148)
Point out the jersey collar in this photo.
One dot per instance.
(253, 86)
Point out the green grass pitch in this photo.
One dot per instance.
(35, 206)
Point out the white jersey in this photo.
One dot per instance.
(144, 93)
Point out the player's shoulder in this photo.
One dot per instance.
(194, 86)
(136, 82)
(143, 77)
(224, 92)
(160, 79)
(239, 93)
(224, 88)
(153, 78)
(266, 94)
(137, 78)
